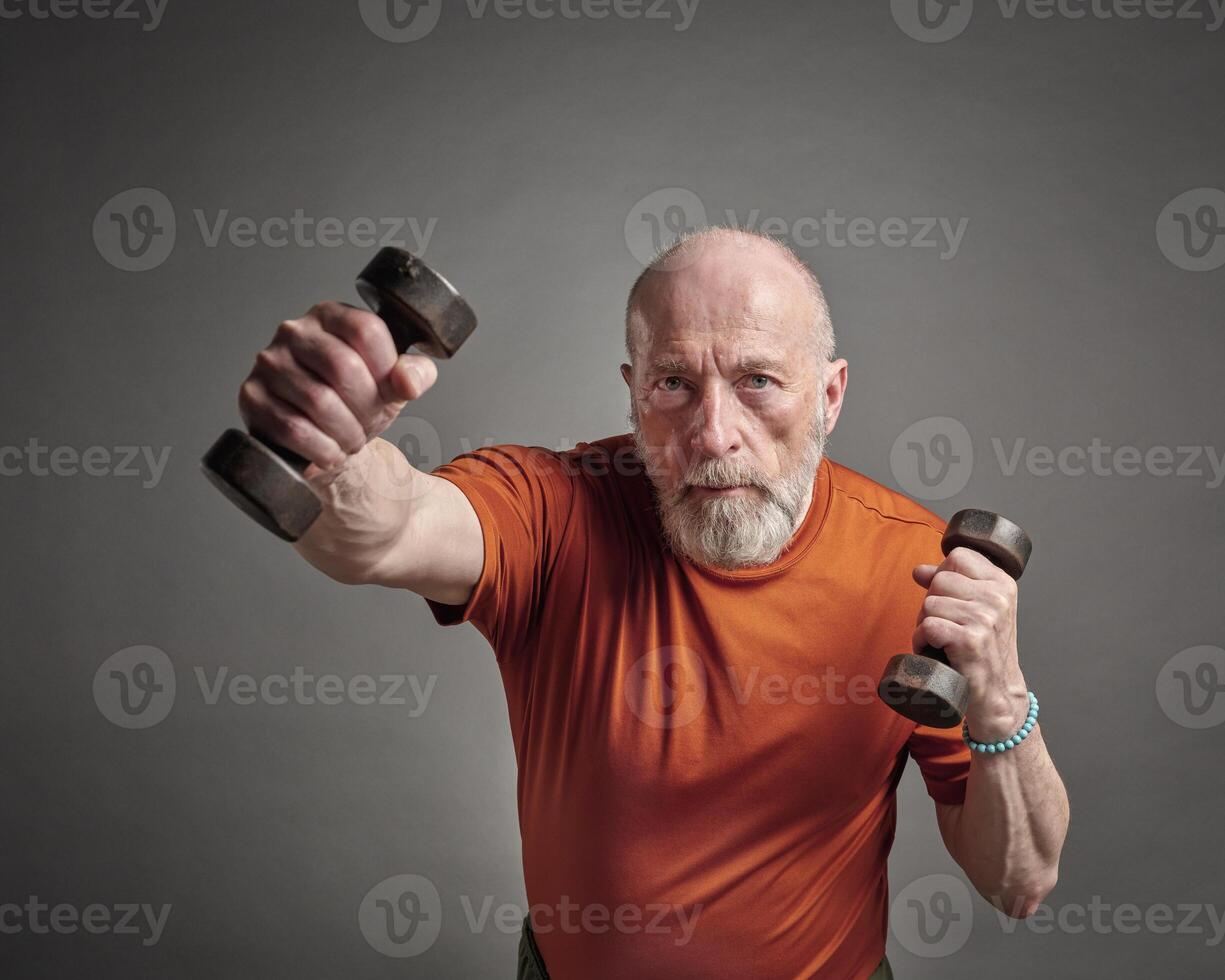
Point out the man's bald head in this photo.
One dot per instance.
(749, 270)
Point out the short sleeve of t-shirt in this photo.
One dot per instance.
(944, 760)
(523, 497)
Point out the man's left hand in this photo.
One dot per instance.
(970, 613)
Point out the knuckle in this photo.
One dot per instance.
(296, 428)
(359, 325)
(287, 331)
(345, 365)
(266, 360)
(277, 425)
(960, 556)
(249, 395)
(325, 309)
(316, 399)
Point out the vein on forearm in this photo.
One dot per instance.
(1011, 827)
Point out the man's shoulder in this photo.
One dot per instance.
(609, 456)
(612, 454)
(873, 502)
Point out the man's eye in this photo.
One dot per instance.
(669, 386)
(759, 381)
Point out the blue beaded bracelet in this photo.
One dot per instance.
(1031, 719)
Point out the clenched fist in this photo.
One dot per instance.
(328, 383)
(970, 612)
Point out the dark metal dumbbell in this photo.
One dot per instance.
(923, 687)
(420, 308)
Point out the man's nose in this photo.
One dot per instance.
(715, 431)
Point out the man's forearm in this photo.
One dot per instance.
(1008, 834)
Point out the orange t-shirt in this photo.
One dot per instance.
(706, 775)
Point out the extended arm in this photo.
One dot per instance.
(325, 388)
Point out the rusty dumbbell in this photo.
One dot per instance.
(923, 687)
(420, 309)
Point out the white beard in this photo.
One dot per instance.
(740, 531)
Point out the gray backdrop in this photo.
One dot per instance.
(1019, 218)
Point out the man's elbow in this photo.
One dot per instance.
(1022, 899)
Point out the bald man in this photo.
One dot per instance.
(690, 620)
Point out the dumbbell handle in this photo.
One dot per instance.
(935, 653)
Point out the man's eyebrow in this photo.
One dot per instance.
(669, 365)
(761, 365)
(747, 365)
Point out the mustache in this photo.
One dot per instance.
(702, 470)
(702, 477)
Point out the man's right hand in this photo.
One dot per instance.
(330, 382)
(325, 388)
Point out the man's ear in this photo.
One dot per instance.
(627, 373)
(835, 392)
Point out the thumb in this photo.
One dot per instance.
(923, 574)
(411, 377)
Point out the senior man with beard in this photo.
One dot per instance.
(689, 621)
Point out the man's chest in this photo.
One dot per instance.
(678, 689)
